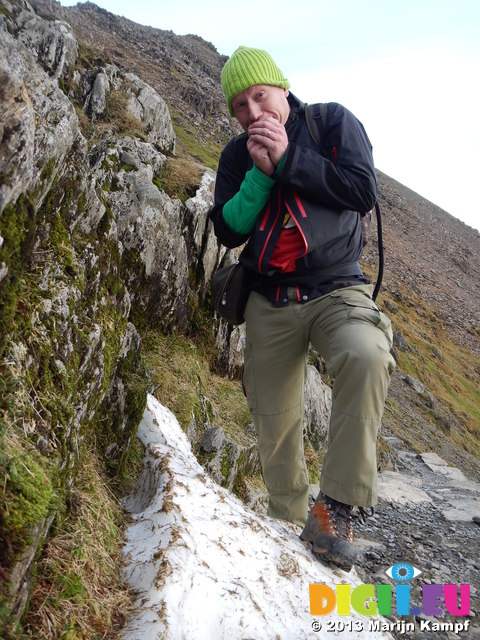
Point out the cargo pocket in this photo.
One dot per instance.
(359, 305)
(386, 326)
(248, 377)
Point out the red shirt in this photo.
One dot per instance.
(289, 247)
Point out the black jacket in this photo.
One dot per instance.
(325, 190)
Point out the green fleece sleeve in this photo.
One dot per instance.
(241, 211)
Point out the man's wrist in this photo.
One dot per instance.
(260, 180)
(280, 164)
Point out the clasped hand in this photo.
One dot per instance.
(267, 142)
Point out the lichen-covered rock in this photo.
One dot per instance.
(39, 123)
(68, 353)
(96, 102)
(89, 242)
(145, 104)
(198, 208)
(150, 228)
(141, 102)
(212, 439)
(17, 126)
(230, 342)
(52, 42)
(232, 459)
(318, 405)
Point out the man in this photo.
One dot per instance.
(298, 211)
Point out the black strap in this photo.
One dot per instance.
(316, 117)
(378, 284)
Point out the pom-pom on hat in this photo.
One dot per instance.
(246, 68)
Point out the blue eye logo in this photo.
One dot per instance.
(402, 572)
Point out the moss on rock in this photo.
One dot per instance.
(27, 496)
(17, 228)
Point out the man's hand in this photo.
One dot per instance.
(267, 142)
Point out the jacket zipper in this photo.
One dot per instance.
(298, 226)
(265, 217)
(303, 213)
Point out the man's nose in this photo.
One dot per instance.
(255, 112)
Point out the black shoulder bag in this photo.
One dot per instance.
(230, 291)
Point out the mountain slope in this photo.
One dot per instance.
(430, 292)
(184, 70)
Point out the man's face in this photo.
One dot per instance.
(260, 101)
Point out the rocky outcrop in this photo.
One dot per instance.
(318, 405)
(39, 124)
(184, 70)
(142, 103)
(89, 245)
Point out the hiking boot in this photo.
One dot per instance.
(329, 530)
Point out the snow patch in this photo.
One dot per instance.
(203, 565)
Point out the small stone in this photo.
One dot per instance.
(111, 449)
(400, 342)
(380, 578)
(42, 444)
(435, 540)
(212, 439)
(250, 429)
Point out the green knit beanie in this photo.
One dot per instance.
(246, 68)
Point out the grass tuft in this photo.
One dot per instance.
(180, 178)
(180, 375)
(78, 592)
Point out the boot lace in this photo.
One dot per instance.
(342, 517)
(339, 516)
(363, 513)
(334, 517)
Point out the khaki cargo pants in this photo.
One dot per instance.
(355, 339)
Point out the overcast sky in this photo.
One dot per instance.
(409, 70)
